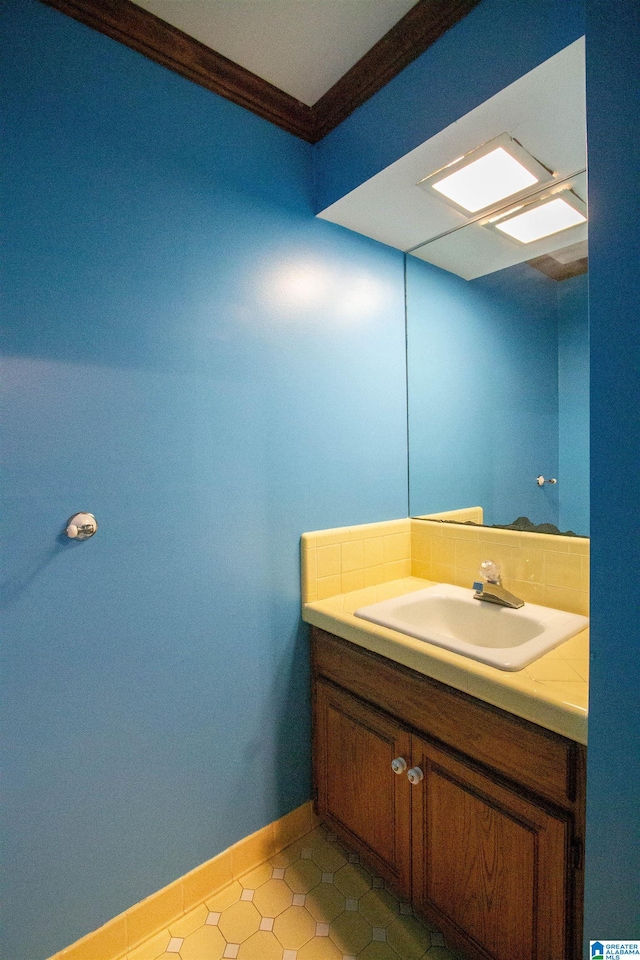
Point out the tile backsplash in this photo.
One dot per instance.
(350, 558)
(540, 568)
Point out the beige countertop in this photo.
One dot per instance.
(552, 691)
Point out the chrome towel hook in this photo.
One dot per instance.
(81, 526)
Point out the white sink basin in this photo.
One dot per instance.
(450, 617)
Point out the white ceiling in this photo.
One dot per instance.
(544, 110)
(301, 46)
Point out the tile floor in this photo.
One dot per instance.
(313, 901)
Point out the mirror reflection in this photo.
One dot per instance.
(496, 299)
(498, 383)
(497, 330)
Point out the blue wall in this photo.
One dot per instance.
(483, 392)
(196, 359)
(613, 129)
(573, 404)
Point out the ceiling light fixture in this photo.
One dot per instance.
(542, 218)
(494, 172)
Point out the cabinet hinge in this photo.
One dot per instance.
(577, 853)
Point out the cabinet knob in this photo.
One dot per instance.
(399, 765)
(415, 775)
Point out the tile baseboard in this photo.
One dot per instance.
(128, 930)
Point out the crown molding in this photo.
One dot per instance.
(124, 21)
(425, 23)
(129, 24)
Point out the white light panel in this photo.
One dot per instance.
(542, 221)
(486, 181)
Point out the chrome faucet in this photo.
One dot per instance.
(492, 590)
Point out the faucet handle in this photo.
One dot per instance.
(490, 571)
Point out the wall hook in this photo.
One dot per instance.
(81, 526)
(541, 481)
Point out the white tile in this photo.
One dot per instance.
(212, 919)
(327, 878)
(306, 854)
(247, 894)
(231, 951)
(291, 955)
(379, 933)
(322, 929)
(354, 858)
(437, 940)
(277, 873)
(351, 904)
(331, 837)
(378, 882)
(348, 956)
(406, 909)
(299, 899)
(174, 945)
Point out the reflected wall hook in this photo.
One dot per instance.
(541, 481)
(81, 526)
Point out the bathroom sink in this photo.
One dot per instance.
(450, 617)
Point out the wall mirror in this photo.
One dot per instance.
(497, 328)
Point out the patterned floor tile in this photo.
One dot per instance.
(261, 946)
(329, 857)
(224, 898)
(379, 907)
(320, 948)
(351, 932)
(409, 938)
(294, 927)
(312, 901)
(325, 902)
(378, 951)
(273, 897)
(303, 875)
(288, 855)
(239, 921)
(353, 880)
(206, 942)
(255, 878)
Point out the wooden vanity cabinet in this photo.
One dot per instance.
(488, 844)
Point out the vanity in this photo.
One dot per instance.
(461, 784)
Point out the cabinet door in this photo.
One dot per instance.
(489, 864)
(358, 792)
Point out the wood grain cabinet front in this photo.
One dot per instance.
(492, 863)
(358, 792)
(488, 863)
